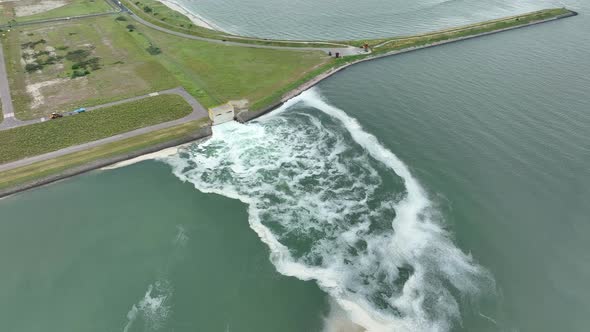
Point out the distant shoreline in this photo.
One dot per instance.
(195, 18)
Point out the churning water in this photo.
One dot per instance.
(335, 206)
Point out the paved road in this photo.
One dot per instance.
(199, 112)
(198, 109)
(344, 51)
(7, 108)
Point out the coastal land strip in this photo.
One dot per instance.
(34, 171)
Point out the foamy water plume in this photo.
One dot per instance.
(335, 206)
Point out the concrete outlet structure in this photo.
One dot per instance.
(221, 114)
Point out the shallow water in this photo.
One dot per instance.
(494, 131)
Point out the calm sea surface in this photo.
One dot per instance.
(458, 200)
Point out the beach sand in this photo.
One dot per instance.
(158, 154)
(195, 18)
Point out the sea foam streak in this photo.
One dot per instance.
(335, 206)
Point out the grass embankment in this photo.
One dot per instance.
(217, 73)
(159, 14)
(46, 168)
(36, 139)
(10, 11)
(386, 45)
(124, 67)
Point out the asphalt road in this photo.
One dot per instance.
(7, 108)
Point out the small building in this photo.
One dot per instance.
(221, 114)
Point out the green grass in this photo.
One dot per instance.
(216, 73)
(73, 8)
(46, 168)
(127, 68)
(26, 141)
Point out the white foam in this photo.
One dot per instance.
(149, 156)
(181, 237)
(152, 308)
(321, 204)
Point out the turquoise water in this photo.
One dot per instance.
(493, 134)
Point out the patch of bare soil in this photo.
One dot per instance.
(34, 90)
(26, 8)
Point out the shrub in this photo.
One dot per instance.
(30, 67)
(153, 50)
(32, 44)
(147, 9)
(93, 63)
(121, 18)
(130, 27)
(50, 61)
(77, 55)
(79, 73)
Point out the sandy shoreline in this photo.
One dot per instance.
(195, 18)
(154, 155)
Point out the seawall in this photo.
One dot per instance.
(248, 116)
(100, 163)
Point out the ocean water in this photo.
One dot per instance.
(344, 19)
(440, 190)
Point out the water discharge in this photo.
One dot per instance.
(336, 206)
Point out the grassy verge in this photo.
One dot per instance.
(46, 168)
(36, 139)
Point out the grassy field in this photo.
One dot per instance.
(216, 73)
(32, 10)
(126, 68)
(21, 142)
(46, 168)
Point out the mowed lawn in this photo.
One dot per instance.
(31, 140)
(216, 73)
(127, 69)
